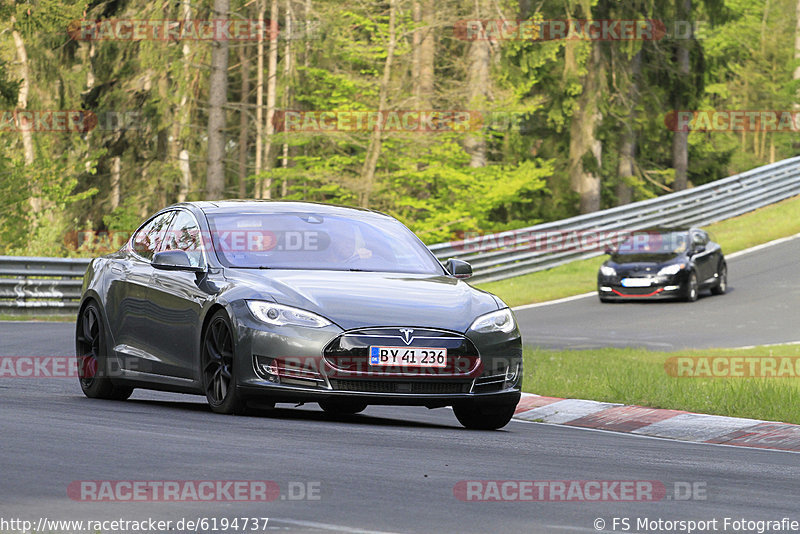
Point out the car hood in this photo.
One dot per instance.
(359, 299)
(649, 259)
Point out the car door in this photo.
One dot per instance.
(703, 256)
(177, 299)
(127, 304)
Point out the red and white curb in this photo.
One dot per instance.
(670, 424)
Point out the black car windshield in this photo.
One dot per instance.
(655, 242)
(318, 242)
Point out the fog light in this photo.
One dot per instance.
(671, 288)
(605, 288)
(266, 368)
(512, 375)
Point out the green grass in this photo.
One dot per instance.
(772, 222)
(48, 318)
(638, 376)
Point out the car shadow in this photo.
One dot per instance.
(289, 414)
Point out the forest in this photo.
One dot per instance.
(453, 116)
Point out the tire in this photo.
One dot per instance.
(218, 369)
(342, 407)
(91, 352)
(722, 284)
(474, 416)
(691, 291)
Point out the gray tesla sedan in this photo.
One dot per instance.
(268, 302)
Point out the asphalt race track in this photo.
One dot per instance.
(395, 469)
(762, 306)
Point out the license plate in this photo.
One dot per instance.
(408, 356)
(636, 282)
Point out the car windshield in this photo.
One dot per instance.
(655, 242)
(318, 242)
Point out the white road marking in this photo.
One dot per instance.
(762, 246)
(557, 301)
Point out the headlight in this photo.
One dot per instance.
(605, 270)
(280, 315)
(499, 321)
(671, 269)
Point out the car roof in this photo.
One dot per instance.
(278, 206)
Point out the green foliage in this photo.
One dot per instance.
(741, 58)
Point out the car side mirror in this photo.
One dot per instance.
(175, 260)
(699, 248)
(458, 268)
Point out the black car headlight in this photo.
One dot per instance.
(280, 315)
(671, 270)
(498, 321)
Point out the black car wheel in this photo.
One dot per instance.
(722, 283)
(691, 288)
(476, 416)
(90, 349)
(339, 407)
(219, 380)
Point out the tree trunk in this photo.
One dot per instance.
(627, 151)
(243, 122)
(186, 174)
(424, 51)
(680, 139)
(217, 95)
(478, 58)
(116, 164)
(288, 65)
(374, 147)
(583, 144)
(259, 105)
(22, 103)
(184, 113)
(272, 85)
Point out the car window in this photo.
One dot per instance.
(316, 241)
(184, 234)
(147, 241)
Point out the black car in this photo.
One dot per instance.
(246, 301)
(663, 263)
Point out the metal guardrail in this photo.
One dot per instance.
(53, 285)
(516, 252)
(38, 286)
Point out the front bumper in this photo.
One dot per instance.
(294, 364)
(659, 287)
